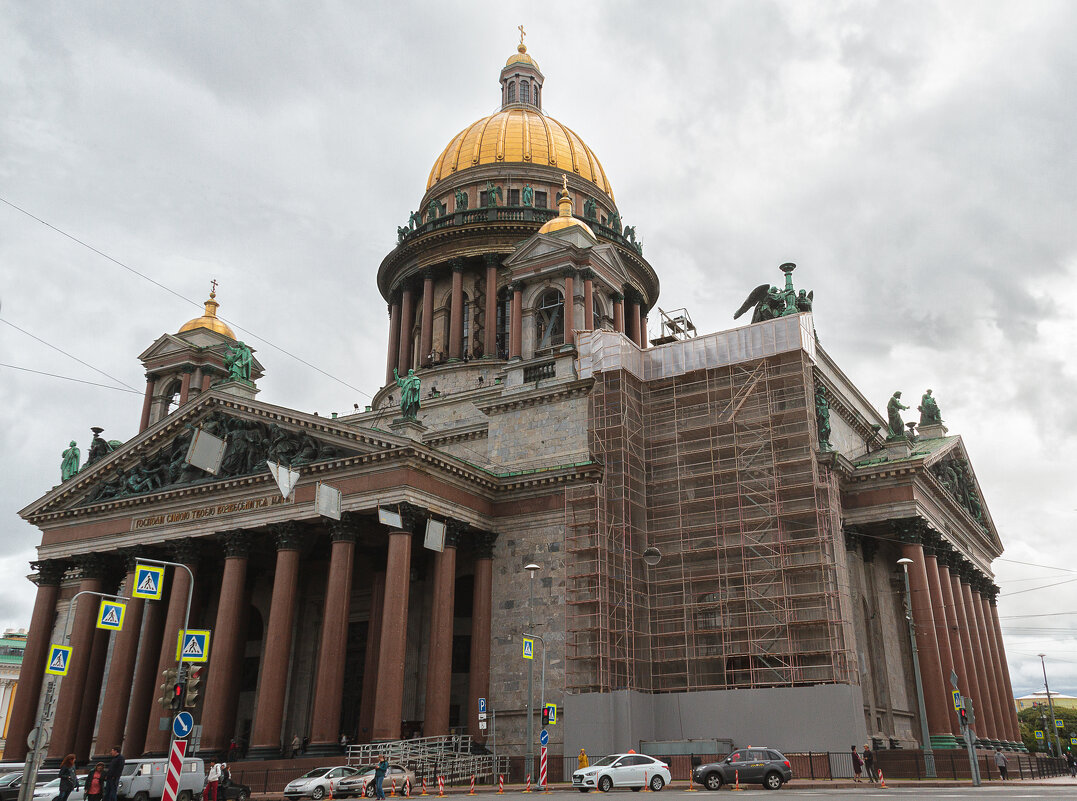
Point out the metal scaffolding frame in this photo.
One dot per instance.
(718, 469)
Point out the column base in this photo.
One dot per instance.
(265, 752)
(945, 742)
(323, 749)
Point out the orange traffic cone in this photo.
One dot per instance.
(882, 781)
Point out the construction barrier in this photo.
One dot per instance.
(646, 786)
(407, 787)
(736, 786)
(501, 784)
(441, 786)
(527, 788)
(424, 786)
(472, 790)
(882, 781)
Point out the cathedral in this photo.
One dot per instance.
(712, 522)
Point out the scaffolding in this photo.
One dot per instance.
(716, 468)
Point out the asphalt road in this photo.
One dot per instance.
(994, 790)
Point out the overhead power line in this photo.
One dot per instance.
(171, 291)
(1035, 564)
(65, 353)
(69, 378)
(1033, 589)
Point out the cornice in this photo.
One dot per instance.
(536, 397)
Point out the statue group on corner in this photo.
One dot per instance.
(929, 410)
(770, 302)
(929, 414)
(409, 394)
(99, 449)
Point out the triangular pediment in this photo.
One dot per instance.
(542, 246)
(951, 468)
(154, 461)
(166, 345)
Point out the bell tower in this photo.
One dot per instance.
(521, 79)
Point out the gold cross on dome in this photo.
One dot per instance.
(523, 33)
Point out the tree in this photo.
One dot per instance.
(1031, 721)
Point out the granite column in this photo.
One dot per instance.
(426, 327)
(389, 698)
(121, 672)
(481, 621)
(935, 695)
(489, 331)
(392, 357)
(439, 660)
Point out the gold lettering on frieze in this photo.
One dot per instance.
(217, 510)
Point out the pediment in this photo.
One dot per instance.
(540, 246)
(154, 461)
(951, 468)
(166, 345)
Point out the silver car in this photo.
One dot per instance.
(315, 784)
(363, 783)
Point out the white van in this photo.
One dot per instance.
(144, 779)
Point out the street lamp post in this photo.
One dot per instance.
(1051, 706)
(925, 734)
(529, 757)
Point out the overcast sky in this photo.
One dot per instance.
(916, 160)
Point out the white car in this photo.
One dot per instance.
(622, 770)
(51, 790)
(315, 784)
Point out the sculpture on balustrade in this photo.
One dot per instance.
(895, 426)
(461, 200)
(590, 209)
(238, 361)
(70, 464)
(415, 220)
(822, 417)
(493, 194)
(929, 410)
(401, 232)
(528, 195)
(409, 394)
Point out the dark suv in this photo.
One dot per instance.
(752, 765)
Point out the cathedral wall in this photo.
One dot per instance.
(549, 432)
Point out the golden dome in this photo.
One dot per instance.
(521, 57)
(209, 319)
(521, 136)
(564, 218)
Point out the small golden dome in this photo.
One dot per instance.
(520, 136)
(209, 319)
(521, 57)
(564, 218)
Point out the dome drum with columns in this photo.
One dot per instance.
(450, 284)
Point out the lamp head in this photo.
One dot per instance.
(904, 562)
(652, 556)
(531, 568)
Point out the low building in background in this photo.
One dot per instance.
(12, 646)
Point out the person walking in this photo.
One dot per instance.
(1001, 763)
(583, 760)
(858, 764)
(379, 776)
(213, 779)
(295, 746)
(112, 775)
(95, 782)
(69, 781)
(869, 763)
(1071, 760)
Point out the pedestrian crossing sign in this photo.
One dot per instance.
(1073, 740)
(1059, 723)
(552, 710)
(110, 616)
(958, 705)
(1039, 735)
(529, 648)
(59, 659)
(149, 582)
(192, 646)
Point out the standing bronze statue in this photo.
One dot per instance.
(70, 464)
(409, 394)
(929, 410)
(893, 414)
(822, 417)
(238, 361)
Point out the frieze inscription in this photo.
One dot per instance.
(214, 510)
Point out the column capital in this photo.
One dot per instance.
(990, 592)
(410, 515)
(286, 536)
(587, 274)
(852, 538)
(151, 377)
(457, 264)
(492, 259)
(185, 551)
(50, 572)
(91, 566)
(428, 273)
(617, 297)
(517, 285)
(343, 530)
(236, 544)
(482, 544)
(454, 532)
(569, 272)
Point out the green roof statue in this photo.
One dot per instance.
(529, 195)
(929, 410)
(822, 417)
(461, 199)
(409, 394)
(770, 301)
(238, 361)
(896, 428)
(70, 465)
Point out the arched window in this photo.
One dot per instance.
(537, 103)
(504, 306)
(550, 319)
(464, 347)
(173, 395)
(596, 312)
(512, 91)
(524, 94)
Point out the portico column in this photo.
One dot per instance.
(997, 683)
(985, 706)
(643, 343)
(1014, 726)
(329, 685)
(389, 699)
(407, 321)
(942, 634)
(219, 706)
(957, 654)
(65, 721)
(588, 300)
(147, 402)
(935, 695)
(185, 552)
(456, 319)
(87, 713)
(273, 686)
(570, 308)
(370, 663)
(32, 673)
(185, 387)
(439, 661)
(121, 672)
(145, 681)
(207, 379)
(971, 678)
(481, 621)
(394, 340)
(996, 731)
(196, 383)
(426, 327)
(516, 324)
(632, 323)
(489, 344)
(619, 313)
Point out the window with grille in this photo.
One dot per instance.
(550, 320)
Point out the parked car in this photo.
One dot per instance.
(622, 770)
(231, 791)
(50, 791)
(363, 782)
(11, 782)
(753, 766)
(315, 784)
(144, 779)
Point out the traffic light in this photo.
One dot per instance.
(170, 676)
(176, 702)
(546, 716)
(964, 718)
(194, 687)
